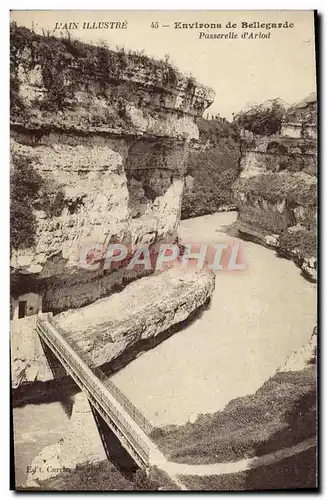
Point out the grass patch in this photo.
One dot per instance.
(280, 414)
(298, 471)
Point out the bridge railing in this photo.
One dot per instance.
(95, 388)
(130, 408)
(92, 383)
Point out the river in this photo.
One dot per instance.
(256, 319)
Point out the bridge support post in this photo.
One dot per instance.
(59, 372)
(115, 452)
(125, 443)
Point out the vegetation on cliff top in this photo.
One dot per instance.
(262, 120)
(66, 63)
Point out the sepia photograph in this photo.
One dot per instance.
(163, 250)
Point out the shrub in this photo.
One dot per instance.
(29, 191)
(262, 121)
(213, 170)
(25, 184)
(303, 240)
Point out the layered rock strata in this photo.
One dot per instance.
(108, 134)
(276, 193)
(99, 141)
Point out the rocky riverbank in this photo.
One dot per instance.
(282, 413)
(81, 445)
(276, 192)
(110, 328)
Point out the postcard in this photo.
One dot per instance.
(163, 229)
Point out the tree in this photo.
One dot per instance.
(25, 184)
(262, 120)
(29, 191)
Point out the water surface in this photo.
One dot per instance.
(257, 318)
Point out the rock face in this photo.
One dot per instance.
(108, 134)
(105, 329)
(145, 308)
(276, 191)
(28, 362)
(300, 359)
(82, 444)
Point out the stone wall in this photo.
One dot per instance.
(110, 132)
(33, 304)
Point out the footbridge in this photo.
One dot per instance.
(106, 400)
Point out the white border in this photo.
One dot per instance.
(4, 185)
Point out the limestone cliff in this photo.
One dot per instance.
(99, 141)
(276, 192)
(107, 135)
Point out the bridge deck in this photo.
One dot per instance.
(102, 394)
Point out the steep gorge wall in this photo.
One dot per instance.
(276, 192)
(109, 132)
(212, 168)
